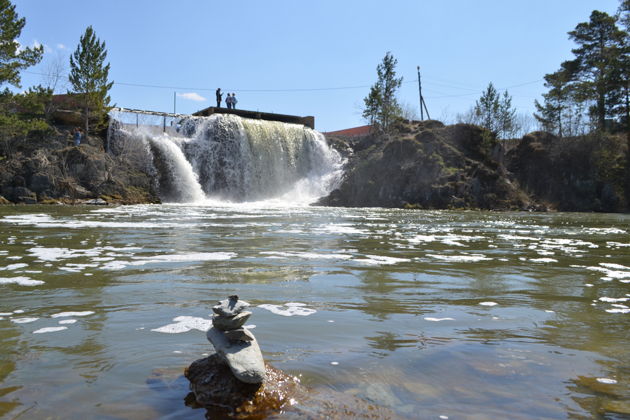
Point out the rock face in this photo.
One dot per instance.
(428, 165)
(47, 168)
(233, 343)
(572, 174)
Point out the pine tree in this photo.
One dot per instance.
(381, 106)
(14, 57)
(487, 109)
(556, 100)
(89, 77)
(598, 66)
(495, 112)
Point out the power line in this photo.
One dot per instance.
(320, 89)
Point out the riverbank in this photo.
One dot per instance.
(427, 165)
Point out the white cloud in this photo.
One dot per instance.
(61, 46)
(37, 44)
(193, 96)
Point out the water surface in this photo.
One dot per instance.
(465, 315)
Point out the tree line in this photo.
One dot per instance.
(31, 111)
(588, 93)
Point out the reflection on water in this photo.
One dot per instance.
(456, 314)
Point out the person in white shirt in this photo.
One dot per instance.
(233, 100)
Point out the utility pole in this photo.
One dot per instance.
(174, 102)
(420, 91)
(423, 105)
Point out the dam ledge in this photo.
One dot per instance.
(307, 121)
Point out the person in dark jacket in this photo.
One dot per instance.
(219, 97)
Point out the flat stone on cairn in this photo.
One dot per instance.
(234, 344)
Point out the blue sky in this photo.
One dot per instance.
(267, 51)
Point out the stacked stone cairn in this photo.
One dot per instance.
(235, 344)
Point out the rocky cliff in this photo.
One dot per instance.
(586, 173)
(47, 168)
(429, 165)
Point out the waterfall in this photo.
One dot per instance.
(228, 158)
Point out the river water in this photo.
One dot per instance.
(434, 314)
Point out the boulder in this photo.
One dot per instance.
(41, 182)
(24, 195)
(214, 388)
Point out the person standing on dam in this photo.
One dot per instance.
(219, 97)
(234, 101)
(228, 101)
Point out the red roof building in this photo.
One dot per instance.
(363, 130)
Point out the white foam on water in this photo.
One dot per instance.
(617, 244)
(67, 321)
(431, 319)
(546, 253)
(55, 254)
(342, 228)
(610, 273)
(607, 381)
(23, 320)
(18, 311)
(589, 285)
(618, 311)
(613, 300)
(49, 329)
(67, 314)
(308, 255)
(380, 260)
(605, 231)
(543, 260)
(199, 256)
(26, 219)
(14, 257)
(20, 281)
(289, 309)
(614, 266)
(460, 258)
(12, 267)
(184, 324)
(70, 269)
(517, 238)
(6, 313)
(549, 311)
(488, 303)
(4, 252)
(619, 305)
(334, 363)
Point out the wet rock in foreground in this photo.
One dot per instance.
(279, 396)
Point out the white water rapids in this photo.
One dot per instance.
(231, 159)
